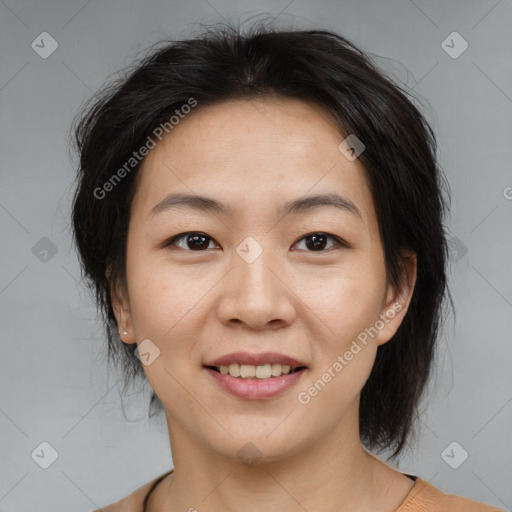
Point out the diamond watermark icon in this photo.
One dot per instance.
(351, 147)
(146, 352)
(44, 455)
(454, 45)
(456, 249)
(44, 250)
(249, 454)
(454, 455)
(44, 45)
(249, 250)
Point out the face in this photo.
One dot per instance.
(255, 283)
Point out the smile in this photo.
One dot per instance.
(249, 371)
(255, 388)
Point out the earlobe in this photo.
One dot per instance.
(126, 337)
(122, 312)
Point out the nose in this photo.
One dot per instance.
(257, 294)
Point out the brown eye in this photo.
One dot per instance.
(193, 241)
(316, 242)
(197, 241)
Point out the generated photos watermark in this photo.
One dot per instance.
(304, 397)
(138, 156)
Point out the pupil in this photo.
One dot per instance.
(195, 238)
(197, 242)
(319, 241)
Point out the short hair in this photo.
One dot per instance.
(319, 67)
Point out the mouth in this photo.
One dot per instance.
(244, 365)
(255, 376)
(249, 371)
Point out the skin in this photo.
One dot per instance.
(196, 305)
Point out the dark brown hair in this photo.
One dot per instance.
(319, 67)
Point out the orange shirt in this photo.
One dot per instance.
(423, 497)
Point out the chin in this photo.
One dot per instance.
(258, 446)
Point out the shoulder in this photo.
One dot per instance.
(424, 497)
(134, 502)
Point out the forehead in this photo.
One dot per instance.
(254, 155)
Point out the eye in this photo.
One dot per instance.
(197, 241)
(193, 240)
(317, 241)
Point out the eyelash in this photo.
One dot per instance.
(339, 242)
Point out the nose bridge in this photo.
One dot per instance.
(253, 264)
(256, 294)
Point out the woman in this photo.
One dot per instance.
(260, 218)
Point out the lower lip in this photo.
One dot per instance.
(255, 389)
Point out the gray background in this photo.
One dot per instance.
(54, 382)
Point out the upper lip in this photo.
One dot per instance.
(255, 359)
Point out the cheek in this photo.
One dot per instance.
(346, 354)
(160, 296)
(346, 301)
(332, 392)
(168, 308)
(163, 313)
(348, 304)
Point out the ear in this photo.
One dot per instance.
(122, 311)
(397, 301)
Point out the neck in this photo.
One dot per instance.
(334, 473)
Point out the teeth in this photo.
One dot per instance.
(234, 370)
(264, 372)
(249, 371)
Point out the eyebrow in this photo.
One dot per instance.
(297, 206)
